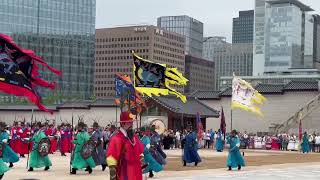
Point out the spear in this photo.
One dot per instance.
(29, 139)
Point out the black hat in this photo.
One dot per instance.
(95, 125)
(82, 125)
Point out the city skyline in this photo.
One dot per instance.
(216, 17)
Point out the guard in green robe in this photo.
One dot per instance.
(8, 156)
(3, 167)
(235, 158)
(36, 160)
(305, 143)
(78, 162)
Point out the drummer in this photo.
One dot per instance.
(38, 160)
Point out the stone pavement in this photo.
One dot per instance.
(273, 172)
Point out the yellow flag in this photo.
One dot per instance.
(155, 79)
(245, 97)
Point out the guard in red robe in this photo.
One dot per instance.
(54, 139)
(124, 152)
(14, 137)
(23, 142)
(64, 145)
(69, 137)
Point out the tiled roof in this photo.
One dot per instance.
(226, 92)
(302, 86)
(206, 94)
(103, 103)
(24, 107)
(270, 88)
(190, 108)
(263, 89)
(75, 105)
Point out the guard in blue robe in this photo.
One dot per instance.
(190, 151)
(156, 150)
(305, 143)
(235, 158)
(9, 156)
(153, 165)
(99, 155)
(219, 142)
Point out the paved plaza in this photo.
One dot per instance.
(60, 169)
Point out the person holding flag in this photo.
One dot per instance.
(190, 151)
(235, 159)
(125, 150)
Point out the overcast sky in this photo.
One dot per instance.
(215, 14)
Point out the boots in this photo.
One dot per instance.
(229, 168)
(89, 169)
(151, 174)
(46, 168)
(196, 164)
(22, 156)
(11, 165)
(30, 169)
(239, 167)
(74, 171)
(1, 176)
(63, 154)
(104, 167)
(184, 163)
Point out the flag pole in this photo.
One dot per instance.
(231, 117)
(29, 139)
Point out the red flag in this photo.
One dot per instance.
(19, 74)
(223, 123)
(300, 130)
(199, 127)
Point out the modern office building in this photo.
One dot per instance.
(213, 45)
(288, 36)
(242, 27)
(187, 26)
(113, 53)
(316, 42)
(200, 73)
(237, 59)
(61, 31)
(259, 37)
(284, 37)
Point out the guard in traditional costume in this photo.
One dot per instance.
(235, 159)
(3, 167)
(69, 132)
(8, 155)
(64, 144)
(153, 165)
(14, 137)
(156, 149)
(219, 141)
(190, 151)
(84, 147)
(23, 141)
(125, 152)
(99, 154)
(51, 132)
(40, 149)
(305, 143)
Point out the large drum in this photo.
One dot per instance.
(87, 149)
(44, 147)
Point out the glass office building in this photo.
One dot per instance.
(288, 36)
(61, 31)
(191, 28)
(214, 45)
(242, 27)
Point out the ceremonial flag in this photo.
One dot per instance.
(124, 87)
(155, 79)
(245, 97)
(125, 91)
(300, 131)
(223, 123)
(19, 74)
(199, 127)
